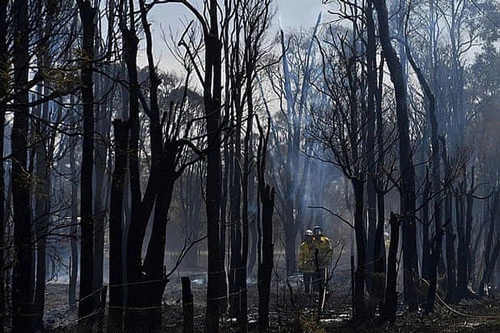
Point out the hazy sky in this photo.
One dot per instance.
(296, 13)
(290, 14)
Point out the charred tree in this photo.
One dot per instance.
(212, 93)
(407, 169)
(86, 303)
(375, 243)
(116, 296)
(73, 233)
(450, 233)
(266, 256)
(4, 88)
(435, 255)
(23, 270)
(391, 296)
(492, 244)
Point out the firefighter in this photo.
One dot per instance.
(323, 253)
(306, 260)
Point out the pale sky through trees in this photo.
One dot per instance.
(290, 15)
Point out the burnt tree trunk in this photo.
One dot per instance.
(216, 289)
(359, 276)
(187, 306)
(23, 270)
(266, 266)
(450, 234)
(116, 296)
(407, 169)
(380, 252)
(4, 66)
(435, 255)
(73, 232)
(461, 252)
(374, 242)
(42, 210)
(391, 296)
(87, 15)
(488, 257)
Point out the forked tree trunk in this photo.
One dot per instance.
(407, 169)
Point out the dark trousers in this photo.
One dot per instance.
(319, 279)
(308, 280)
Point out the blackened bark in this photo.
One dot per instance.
(216, 289)
(42, 212)
(488, 257)
(187, 306)
(102, 185)
(461, 257)
(391, 296)
(23, 271)
(73, 227)
(74, 253)
(116, 297)
(3, 94)
(374, 243)
(359, 227)
(138, 222)
(489, 268)
(380, 253)
(450, 254)
(450, 234)
(435, 166)
(87, 15)
(469, 206)
(436, 246)
(235, 229)
(407, 170)
(266, 266)
(426, 243)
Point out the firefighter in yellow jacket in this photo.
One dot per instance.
(323, 256)
(306, 260)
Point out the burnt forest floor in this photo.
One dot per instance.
(291, 310)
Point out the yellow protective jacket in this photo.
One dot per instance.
(325, 250)
(306, 257)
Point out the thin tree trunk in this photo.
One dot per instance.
(3, 93)
(391, 296)
(42, 210)
(374, 243)
(73, 227)
(101, 189)
(359, 276)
